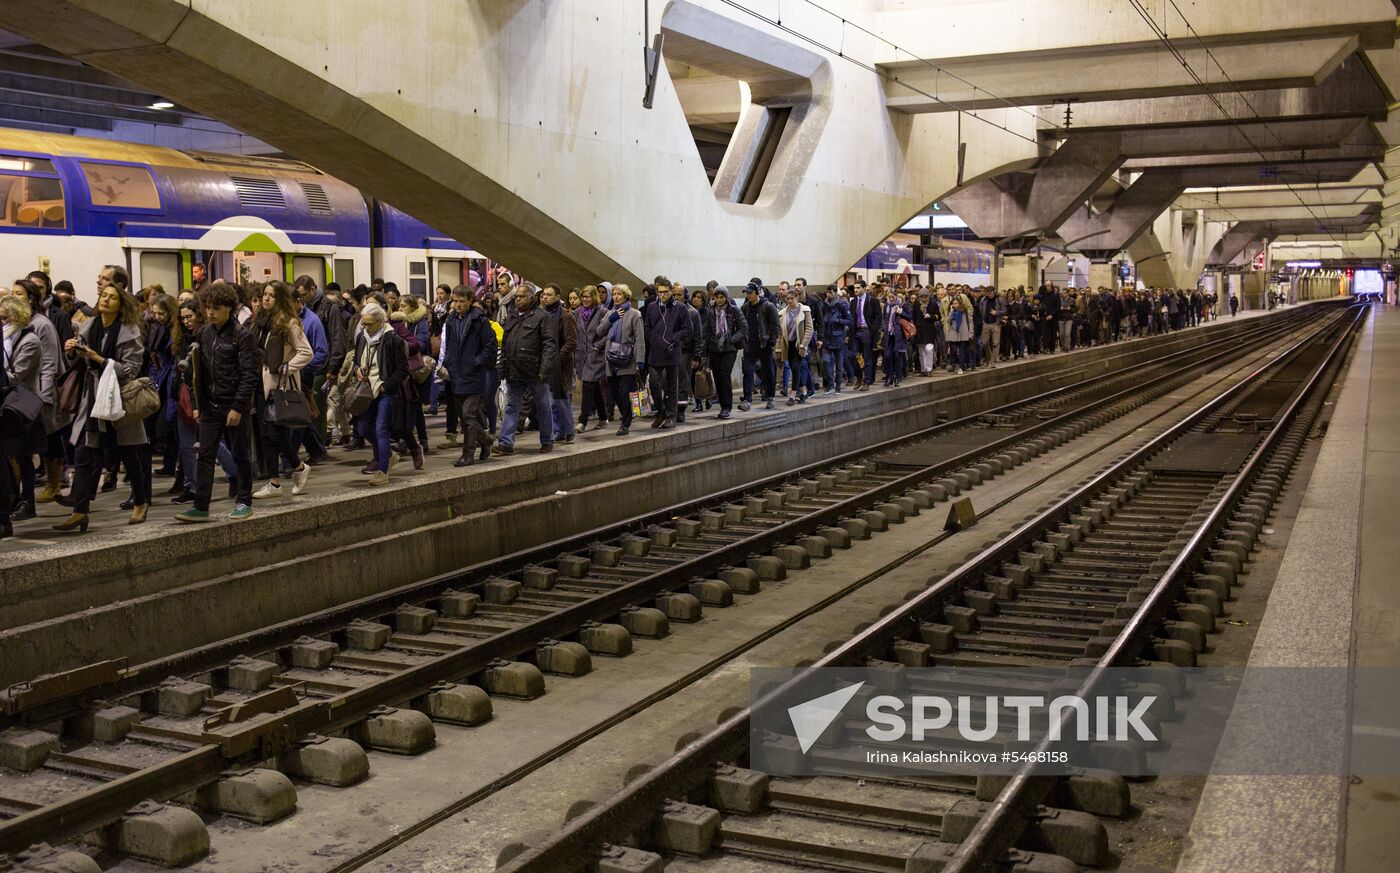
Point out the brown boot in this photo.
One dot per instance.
(53, 484)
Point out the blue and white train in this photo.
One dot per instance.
(74, 204)
(969, 263)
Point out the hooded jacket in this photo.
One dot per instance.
(468, 351)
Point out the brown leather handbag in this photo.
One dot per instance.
(70, 390)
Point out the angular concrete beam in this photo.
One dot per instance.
(1256, 173)
(1105, 74)
(1292, 211)
(1346, 194)
(1241, 138)
(960, 29)
(1233, 243)
(1131, 214)
(1350, 91)
(1022, 205)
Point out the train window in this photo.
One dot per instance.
(31, 201)
(345, 273)
(160, 268)
(121, 185)
(26, 165)
(449, 272)
(418, 279)
(309, 265)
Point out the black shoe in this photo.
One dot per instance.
(656, 422)
(464, 461)
(770, 404)
(175, 488)
(667, 424)
(680, 416)
(109, 483)
(485, 453)
(569, 438)
(723, 413)
(64, 500)
(318, 460)
(128, 504)
(622, 431)
(165, 471)
(182, 498)
(546, 448)
(23, 511)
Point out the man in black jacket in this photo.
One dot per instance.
(761, 321)
(530, 350)
(668, 330)
(725, 332)
(225, 374)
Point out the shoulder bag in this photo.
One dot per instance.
(139, 399)
(287, 408)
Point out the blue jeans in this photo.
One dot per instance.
(493, 382)
(188, 435)
(865, 346)
(515, 393)
(835, 365)
(374, 426)
(563, 411)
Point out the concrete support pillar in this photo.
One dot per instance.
(1017, 270)
(1103, 276)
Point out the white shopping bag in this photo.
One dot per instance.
(107, 404)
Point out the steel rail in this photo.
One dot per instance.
(987, 840)
(144, 676)
(618, 818)
(84, 810)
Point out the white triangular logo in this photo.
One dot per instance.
(810, 719)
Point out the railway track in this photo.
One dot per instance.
(108, 739)
(1130, 569)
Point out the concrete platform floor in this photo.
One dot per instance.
(329, 481)
(1334, 603)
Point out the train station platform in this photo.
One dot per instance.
(1334, 604)
(140, 592)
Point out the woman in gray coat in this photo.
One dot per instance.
(23, 359)
(113, 335)
(51, 370)
(589, 357)
(624, 348)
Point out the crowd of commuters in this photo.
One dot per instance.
(257, 382)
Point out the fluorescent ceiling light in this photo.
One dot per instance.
(162, 104)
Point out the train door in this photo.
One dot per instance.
(157, 268)
(257, 266)
(447, 271)
(309, 265)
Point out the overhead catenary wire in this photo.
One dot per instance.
(1161, 34)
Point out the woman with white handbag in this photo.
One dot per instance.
(109, 348)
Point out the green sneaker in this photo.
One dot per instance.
(193, 515)
(242, 510)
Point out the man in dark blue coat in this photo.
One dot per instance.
(761, 322)
(469, 352)
(667, 325)
(836, 322)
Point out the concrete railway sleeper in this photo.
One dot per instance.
(380, 679)
(1131, 568)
